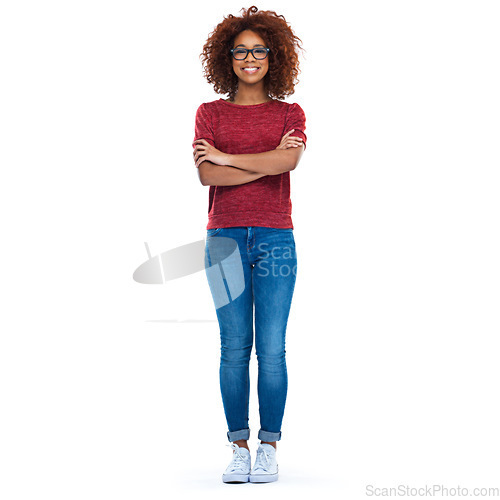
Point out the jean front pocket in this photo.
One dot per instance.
(213, 232)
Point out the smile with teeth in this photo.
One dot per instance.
(252, 69)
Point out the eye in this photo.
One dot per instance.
(239, 52)
(260, 52)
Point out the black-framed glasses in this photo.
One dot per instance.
(258, 52)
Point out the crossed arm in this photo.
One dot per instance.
(231, 170)
(211, 174)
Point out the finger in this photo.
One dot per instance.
(284, 139)
(201, 159)
(199, 149)
(285, 136)
(293, 143)
(200, 156)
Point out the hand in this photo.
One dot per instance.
(290, 142)
(204, 151)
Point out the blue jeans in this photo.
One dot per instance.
(247, 266)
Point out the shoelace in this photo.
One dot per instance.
(261, 452)
(239, 461)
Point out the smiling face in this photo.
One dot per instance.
(249, 39)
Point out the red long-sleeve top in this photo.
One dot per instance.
(239, 129)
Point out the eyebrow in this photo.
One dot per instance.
(256, 45)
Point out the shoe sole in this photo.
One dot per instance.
(263, 478)
(235, 478)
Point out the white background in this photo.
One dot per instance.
(392, 343)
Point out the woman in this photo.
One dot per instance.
(244, 149)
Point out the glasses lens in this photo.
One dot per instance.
(260, 53)
(239, 53)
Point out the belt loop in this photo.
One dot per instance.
(250, 237)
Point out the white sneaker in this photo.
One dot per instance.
(239, 468)
(265, 468)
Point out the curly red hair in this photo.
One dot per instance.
(281, 77)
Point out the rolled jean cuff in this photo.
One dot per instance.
(237, 435)
(269, 437)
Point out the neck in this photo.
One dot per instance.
(250, 94)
